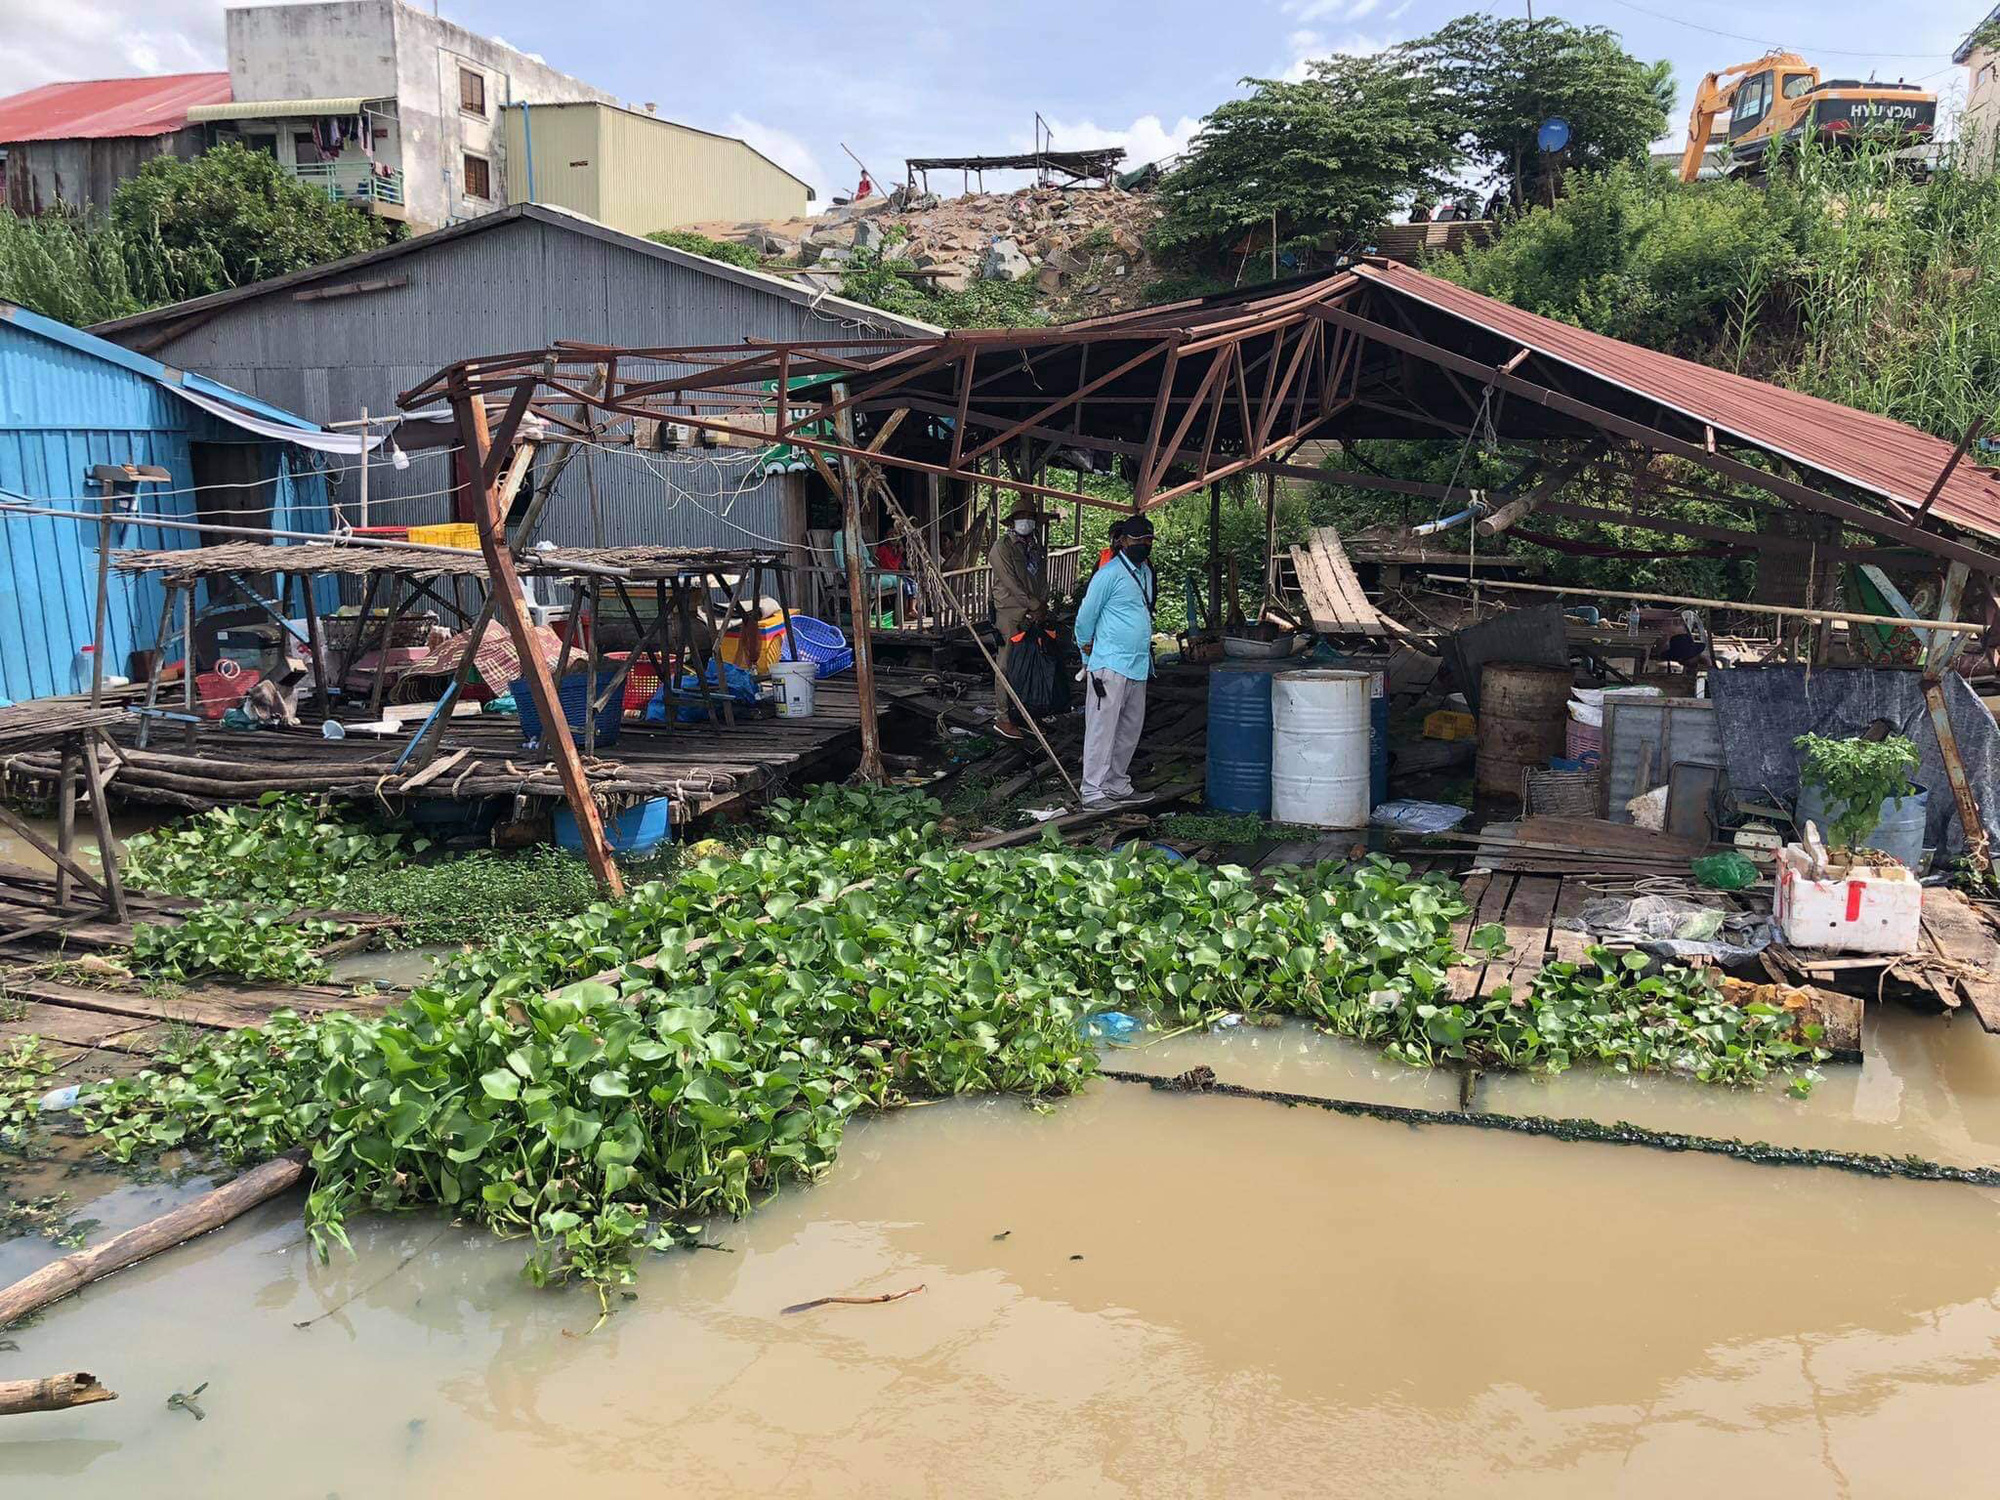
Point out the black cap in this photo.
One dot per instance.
(1137, 528)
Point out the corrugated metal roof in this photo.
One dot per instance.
(108, 107)
(211, 396)
(273, 109)
(1873, 453)
(776, 286)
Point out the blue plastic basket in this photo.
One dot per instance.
(819, 643)
(575, 694)
(637, 830)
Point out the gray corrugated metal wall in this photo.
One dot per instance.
(518, 285)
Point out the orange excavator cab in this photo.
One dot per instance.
(1780, 97)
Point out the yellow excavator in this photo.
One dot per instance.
(1781, 97)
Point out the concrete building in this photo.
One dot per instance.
(69, 145)
(384, 105)
(357, 332)
(634, 171)
(1978, 144)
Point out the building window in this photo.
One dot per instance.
(472, 92)
(478, 177)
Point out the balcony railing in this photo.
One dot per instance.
(354, 182)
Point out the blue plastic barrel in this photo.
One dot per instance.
(1378, 721)
(637, 830)
(1239, 736)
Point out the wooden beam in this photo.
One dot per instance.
(1521, 508)
(1795, 611)
(505, 586)
(860, 607)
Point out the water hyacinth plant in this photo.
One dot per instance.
(599, 1084)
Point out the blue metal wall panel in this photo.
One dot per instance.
(63, 410)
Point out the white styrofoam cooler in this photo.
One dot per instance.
(1869, 909)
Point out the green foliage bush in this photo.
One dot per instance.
(1855, 777)
(178, 229)
(1331, 154)
(868, 278)
(727, 251)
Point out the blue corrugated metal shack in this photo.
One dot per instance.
(70, 400)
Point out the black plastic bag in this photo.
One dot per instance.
(1035, 670)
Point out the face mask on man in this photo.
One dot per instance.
(1138, 552)
(1024, 527)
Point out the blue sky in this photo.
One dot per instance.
(896, 78)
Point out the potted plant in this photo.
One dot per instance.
(1852, 786)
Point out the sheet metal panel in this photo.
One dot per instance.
(1889, 458)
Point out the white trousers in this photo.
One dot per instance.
(1111, 726)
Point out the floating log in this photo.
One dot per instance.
(210, 1211)
(52, 1393)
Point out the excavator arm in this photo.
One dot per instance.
(1714, 97)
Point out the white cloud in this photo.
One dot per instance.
(55, 41)
(1147, 139)
(788, 151)
(1335, 10)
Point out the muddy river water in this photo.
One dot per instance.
(1130, 1293)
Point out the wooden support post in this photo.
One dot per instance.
(864, 645)
(159, 662)
(1215, 557)
(1270, 542)
(100, 817)
(315, 643)
(187, 664)
(484, 504)
(1978, 852)
(65, 820)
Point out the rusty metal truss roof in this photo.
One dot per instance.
(1184, 394)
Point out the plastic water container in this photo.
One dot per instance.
(637, 830)
(1898, 831)
(1239, 736)
(1320, 748)
(795, 688)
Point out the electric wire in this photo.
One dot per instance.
(1737, 36)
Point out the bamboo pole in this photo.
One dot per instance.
(52, 1393)
(210, 1211)
(1798, 611)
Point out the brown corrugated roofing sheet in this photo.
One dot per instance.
(1875, 453)
(109, 107)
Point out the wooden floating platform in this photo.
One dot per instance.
(703, 768)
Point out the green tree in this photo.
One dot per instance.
(696, 243)
(1505, 77)
(229, 217)
(1331, 155)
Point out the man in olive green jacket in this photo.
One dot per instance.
(1020, 594)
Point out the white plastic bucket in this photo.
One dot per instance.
(1319, 748)
(795, 688)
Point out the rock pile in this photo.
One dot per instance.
(1084, 248)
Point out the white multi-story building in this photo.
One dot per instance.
(1978, 142)
(385, 106)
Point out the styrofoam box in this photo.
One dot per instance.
(1870, 909)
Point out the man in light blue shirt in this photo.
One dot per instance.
(1114, 628)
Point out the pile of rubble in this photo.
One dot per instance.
(1084, 248)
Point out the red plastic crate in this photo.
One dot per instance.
(640, 683)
